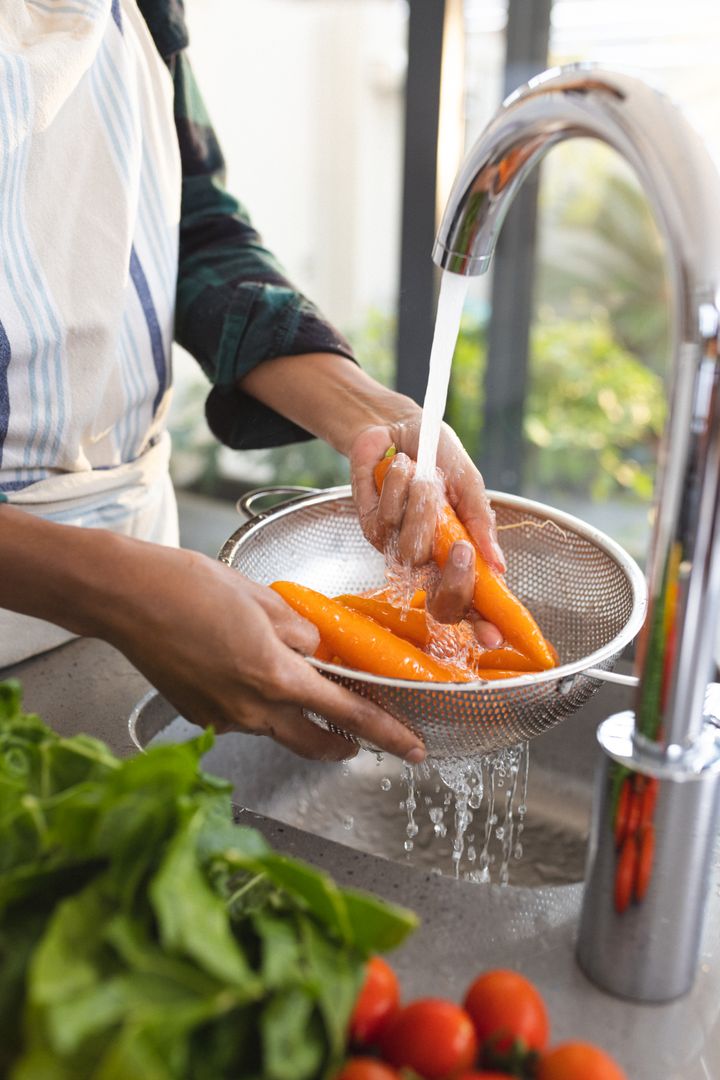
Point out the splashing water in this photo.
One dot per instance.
(490, 784)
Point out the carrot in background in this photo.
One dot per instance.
(492, 598)
(362, 643)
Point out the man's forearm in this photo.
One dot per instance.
(327, 395)
(55, 572)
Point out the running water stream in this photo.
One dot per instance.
(453, 290)
(490, 780)
(483, 801)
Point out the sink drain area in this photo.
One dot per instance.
(364, 805)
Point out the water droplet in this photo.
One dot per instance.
(408, 845)
(386, 783)
(348, 822)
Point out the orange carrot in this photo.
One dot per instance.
(505, 658)
(410, 624)
(324, 653)
(362, 643)
(416, 601)
(492, 598)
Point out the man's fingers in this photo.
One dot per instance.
(367, 450)
(394, 495)
(486, 633)
(415, 542)
(474, 510)
(297, 632)
(467, 494)
(453, 595)
(292, 729)
(350, 712)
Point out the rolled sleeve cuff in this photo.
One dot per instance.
(262, 322)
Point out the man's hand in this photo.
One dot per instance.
(225, 651)
(407, 509)
(337, 401)
(228, 652)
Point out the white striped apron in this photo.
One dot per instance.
(89, 212)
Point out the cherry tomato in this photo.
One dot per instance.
(578, 1061)
(434, 1037)
(505, 1009)
(625, 874)
(378, 1000)
(363, 1068)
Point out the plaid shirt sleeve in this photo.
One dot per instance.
(235, 307)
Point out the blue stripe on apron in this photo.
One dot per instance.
(4, 389)
(146, 301)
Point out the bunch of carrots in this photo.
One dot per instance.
(375, 635)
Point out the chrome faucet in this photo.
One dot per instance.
(656, 812)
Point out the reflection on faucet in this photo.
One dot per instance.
(656, 816)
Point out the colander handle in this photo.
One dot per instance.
(611, 676)
(296, 493)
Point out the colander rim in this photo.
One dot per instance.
(564, 520)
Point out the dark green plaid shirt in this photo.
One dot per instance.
(235, 307)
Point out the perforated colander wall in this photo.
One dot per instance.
(583, 592)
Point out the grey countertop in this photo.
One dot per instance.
(86, 686)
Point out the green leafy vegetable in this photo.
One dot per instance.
(142, 934)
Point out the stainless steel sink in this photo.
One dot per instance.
(362, 803)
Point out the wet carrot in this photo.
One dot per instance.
(492, 598)
(410, 624)
(362, 643)
(417, 600)
(324, 653)
(505, 658)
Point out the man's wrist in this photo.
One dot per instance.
(329, 396)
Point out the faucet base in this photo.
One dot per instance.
(654, 827)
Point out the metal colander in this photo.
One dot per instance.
(585, 592)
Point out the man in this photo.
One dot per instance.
(118, 233)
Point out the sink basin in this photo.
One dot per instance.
(363, 803)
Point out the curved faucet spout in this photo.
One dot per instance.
(669, 742)
(683, 189)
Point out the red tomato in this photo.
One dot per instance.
(506, 1008)
(578, 1061)
(378, 1000)
(434, 1037)
(363, 1068)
